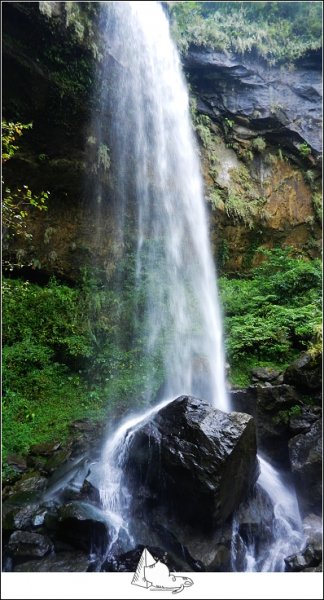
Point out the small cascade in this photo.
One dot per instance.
(114, 494)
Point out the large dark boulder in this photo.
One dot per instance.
(274, 404)
(305, 452)
(303, 421)
(194, 460)
(265, 374)
(61, 562)
(84, 526)
(306, 373)
(29, 483)
(26, 545)
(272, 407)
(309, 557)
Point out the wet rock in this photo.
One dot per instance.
(90, 488)
(222, 559)
(288, 110)
(31, 482)
(273, 406)
(313, 530)
(305, 372)
(244, 400)
(270, 406)
(61, 562)
(17, 462)
(90, 492)
(57, 460)
(255, 519)
(66, 481)
(262, 374)
(318, 569)
(187, 446)
(303, 423)
(17, 517)
(305, 453)
(37, 463)
(23, 544)
(128, 561)
(83, 425)
(45, 449)
(309, 557)
(84, 526)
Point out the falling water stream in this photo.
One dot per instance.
(157, 171)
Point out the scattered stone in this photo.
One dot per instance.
(305, 453)
(75, 562)
(17, 462)
(30, 482)
(309, 557)
(83, 425)
(313, 530)
(84, 526)
(305, 372)
(45, 449)
(303, 423)
(264, 374)
(23, 544)
(17, 517)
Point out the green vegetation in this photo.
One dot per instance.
(317, 200)
(244, 203)
(63, 359)
(17, 202)
(304, 150)
(283, 416)
(259, 144)
(273, 314)
(277, 31)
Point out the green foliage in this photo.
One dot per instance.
(243, 210)
(64, 359)
(216, 199)
(275, 312)
(229, 122)
(204, 128)
(17, 203)
(304, 150)
(283, 416)
(259, 144)
(10, 133)
(278, 31)
(317, 200)
(243, 203)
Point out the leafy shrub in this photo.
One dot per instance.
(304, 150)
(259, 144)
(278, 31)
(275, 312)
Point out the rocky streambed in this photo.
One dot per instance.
(191, 470)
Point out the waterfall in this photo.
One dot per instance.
(158, 188)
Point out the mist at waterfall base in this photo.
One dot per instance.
(144, 119)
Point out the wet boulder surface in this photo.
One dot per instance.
(193, 460)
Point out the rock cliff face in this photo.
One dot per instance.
(261, 158)
(261, 192)
(284, 104)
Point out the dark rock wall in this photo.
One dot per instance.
(282, 103)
